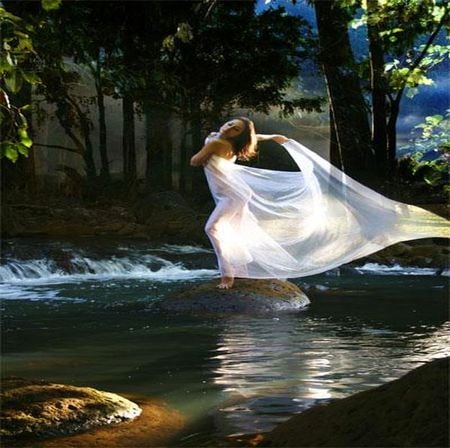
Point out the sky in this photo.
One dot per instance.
(430, 100)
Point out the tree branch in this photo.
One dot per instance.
(419, 58)
(58, 147)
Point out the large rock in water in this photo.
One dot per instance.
(246, 296)
(40, 409)
(412, 411)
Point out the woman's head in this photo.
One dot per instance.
(240, 132)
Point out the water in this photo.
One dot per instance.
(82, 312)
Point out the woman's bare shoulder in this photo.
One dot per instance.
(217, 139)
(219, 145)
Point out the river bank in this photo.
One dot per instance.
(166, 217)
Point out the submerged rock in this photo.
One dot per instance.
(246, 296)
(412, 411)
(39, 409)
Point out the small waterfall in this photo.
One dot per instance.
(396, 269)
(78, 267)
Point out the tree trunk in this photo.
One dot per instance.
(335, 151)
(392, 136)
(104, 169)
(88, 155)
(128, 141)
(378, 87)
(185, 155)
(91, 171)
(197, 175)
(158, 162)
(346, 99)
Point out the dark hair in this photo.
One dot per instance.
(244, 144)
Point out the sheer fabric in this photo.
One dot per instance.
(277, 224)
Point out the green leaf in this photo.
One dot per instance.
(50, 5)
(432, 176)
(412, 92)
(437, 118)
(23, 120)
(356, 23)
(9, 59)
(22, 149)
(25, 139)
(30, 77)
(14, 81)
(9, 151)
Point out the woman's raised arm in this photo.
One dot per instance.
(275, 137)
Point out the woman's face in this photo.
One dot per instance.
(232, 128)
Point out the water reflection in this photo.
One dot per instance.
(270, 369)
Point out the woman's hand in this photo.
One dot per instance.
(275, 137)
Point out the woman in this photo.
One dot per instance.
(276, 224)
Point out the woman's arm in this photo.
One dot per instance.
(275, 137)
(213, 147)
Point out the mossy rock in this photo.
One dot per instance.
(37, 409)
(246, 296)
(412, 411)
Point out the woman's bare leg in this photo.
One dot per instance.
(221, 216)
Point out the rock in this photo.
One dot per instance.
(246, 296)
(426, 250)
(396, 250)
(412, 411)
(64, 229)
(421, 253)
(36, 409)
(157, 426)
(152, 204)
(169, 216)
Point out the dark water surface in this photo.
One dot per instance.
(83, 313)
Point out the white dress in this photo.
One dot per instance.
(278, 224)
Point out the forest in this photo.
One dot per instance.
(298, 298)
(179, 69)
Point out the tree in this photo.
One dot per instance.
(233, 58)
(403, 48)
(348, 110)
(402, 37)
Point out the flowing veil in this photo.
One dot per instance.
(278, 224)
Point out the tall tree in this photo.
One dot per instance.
(349, 112)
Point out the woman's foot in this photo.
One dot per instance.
(226, 283)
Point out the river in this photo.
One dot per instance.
(82, 312)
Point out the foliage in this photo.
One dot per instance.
(407, 32)
(50, 5)
(15, 74)
(237, 59)
(434, 134)
(427, 157)
(18, 61)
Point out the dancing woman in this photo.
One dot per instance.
(278, 224)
